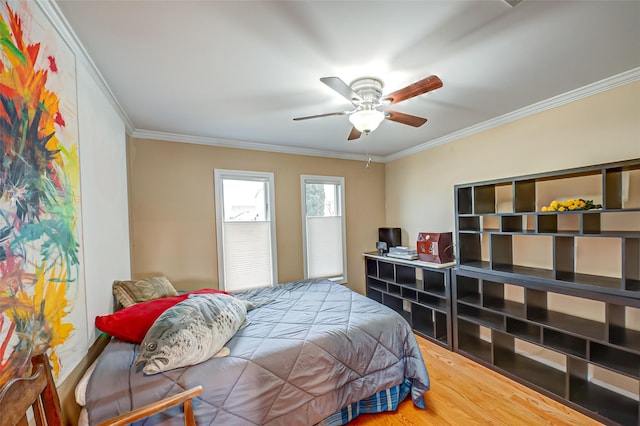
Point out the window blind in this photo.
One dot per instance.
(324, 247)
(247, 255)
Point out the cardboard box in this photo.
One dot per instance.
(435, 247)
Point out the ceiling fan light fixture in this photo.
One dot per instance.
(366, 120)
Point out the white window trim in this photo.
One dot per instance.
(219, 175)
(332, 180)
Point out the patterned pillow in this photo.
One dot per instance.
(131, 292)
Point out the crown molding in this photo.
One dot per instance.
(60, 23)
(255, 146)
(565, 98)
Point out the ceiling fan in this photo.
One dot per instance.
(365, 94)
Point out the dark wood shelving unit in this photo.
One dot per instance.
(419, 291)
(529, 298)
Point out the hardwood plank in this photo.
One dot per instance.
(466, 393)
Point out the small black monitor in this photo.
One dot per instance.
(391, 236)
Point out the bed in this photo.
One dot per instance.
(318, 353)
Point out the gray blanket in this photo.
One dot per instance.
(315, 349)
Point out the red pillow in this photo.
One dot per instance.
(131, 324)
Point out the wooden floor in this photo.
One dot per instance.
(466, 393)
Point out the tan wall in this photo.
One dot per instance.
(172, 200)
(598, 129)
(173, 213)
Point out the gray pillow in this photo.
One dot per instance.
(192, 331)
(131, 292)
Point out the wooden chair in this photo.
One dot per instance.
(39, 392)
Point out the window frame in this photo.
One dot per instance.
(330, 180)
(219, 176)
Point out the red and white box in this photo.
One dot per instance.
(435, 247)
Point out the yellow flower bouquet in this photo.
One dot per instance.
(571, 205)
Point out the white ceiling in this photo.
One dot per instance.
(236, 73)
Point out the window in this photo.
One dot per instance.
(245, 224)
(323, 227)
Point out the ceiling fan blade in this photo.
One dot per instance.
(329, 114)
(418, 88)
(355, 134)
(341, 87)
(407, 119)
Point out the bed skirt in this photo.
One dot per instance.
(386, 400)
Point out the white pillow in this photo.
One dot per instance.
(83, 419)
(81, 388)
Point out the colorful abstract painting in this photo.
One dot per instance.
(41, 288)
